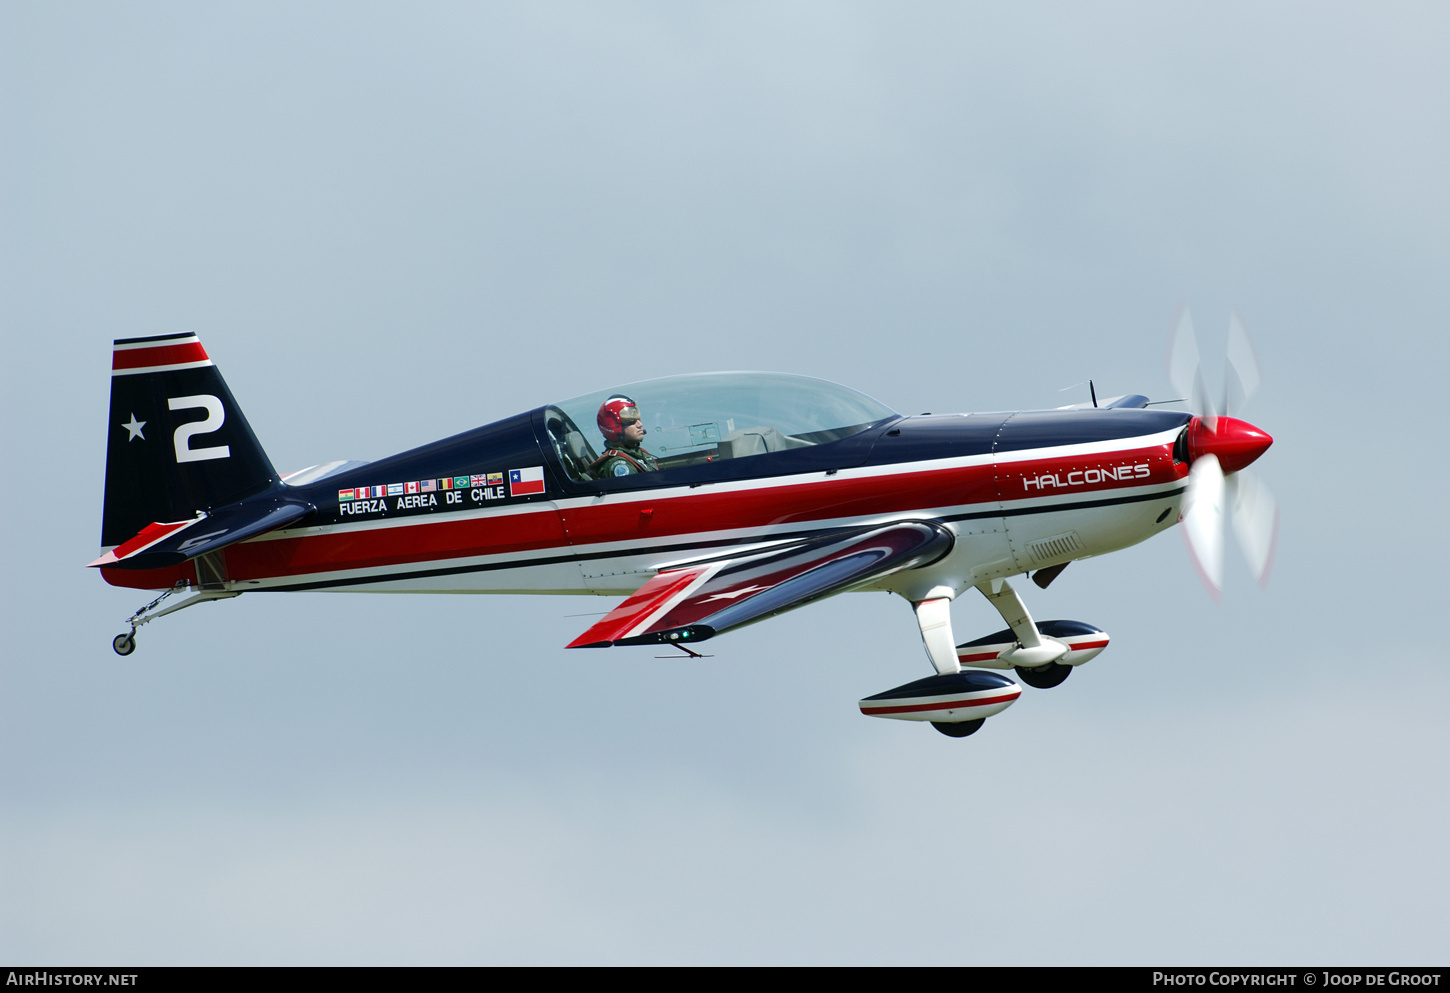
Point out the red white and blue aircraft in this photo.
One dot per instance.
(771, 491)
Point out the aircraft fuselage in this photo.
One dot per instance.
(493, 510)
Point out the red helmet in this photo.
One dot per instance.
(616, 414)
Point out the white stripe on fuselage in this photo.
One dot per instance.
(747, 485)
(748, 538)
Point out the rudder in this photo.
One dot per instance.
(177, 443)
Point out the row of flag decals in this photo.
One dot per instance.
(521, 482)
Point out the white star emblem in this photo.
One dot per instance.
(135, 428)
(736, 593)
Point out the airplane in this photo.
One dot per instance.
(760, 493)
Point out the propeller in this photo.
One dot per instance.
(1220, 448)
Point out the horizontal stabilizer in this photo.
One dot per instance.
(697, 602)
(166, 544)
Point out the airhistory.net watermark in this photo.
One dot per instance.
(43, 978)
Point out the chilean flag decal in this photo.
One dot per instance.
(523, 482)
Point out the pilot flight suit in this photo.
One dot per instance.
(622, 460)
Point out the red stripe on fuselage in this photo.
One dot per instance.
(366, 549)
(699, 513)
(692, 514)
(819, 499)
(136, 358)
(1034, 478)
(150, 579)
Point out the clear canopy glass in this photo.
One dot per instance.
(716, 415)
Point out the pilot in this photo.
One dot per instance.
(620, 424)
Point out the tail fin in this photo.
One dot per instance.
(177, 441)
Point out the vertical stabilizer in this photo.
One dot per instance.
(177, 442)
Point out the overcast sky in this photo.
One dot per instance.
(390, 223)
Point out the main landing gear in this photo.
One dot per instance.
(965, 691)
(961, 729)
(1043, 655)
(955, 703)
(1043, 677)
(125, 643)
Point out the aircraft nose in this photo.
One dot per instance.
(1235, 443)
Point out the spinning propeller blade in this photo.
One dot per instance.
(1185, 370)
(1242, 370)
(1256, 522)
(1219, 449)
(1203, 515)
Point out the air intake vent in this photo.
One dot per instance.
(1057, 547)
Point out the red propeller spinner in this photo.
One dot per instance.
(1235, 443)
(1219, 449)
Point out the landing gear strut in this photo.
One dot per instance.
(125, 644)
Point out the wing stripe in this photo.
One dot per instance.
(648, 600)
(699, 603)
(955, 703)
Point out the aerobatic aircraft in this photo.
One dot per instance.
(753, 494)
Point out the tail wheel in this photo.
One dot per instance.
(960, 729)
(1044, 677)
(124, 644)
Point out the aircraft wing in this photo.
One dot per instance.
(164, 544)
(698, 601)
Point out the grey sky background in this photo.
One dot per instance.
(389, 224)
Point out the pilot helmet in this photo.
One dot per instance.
(616, 414)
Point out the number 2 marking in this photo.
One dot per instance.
(216, 415)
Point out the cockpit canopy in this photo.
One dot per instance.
(705, 417)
